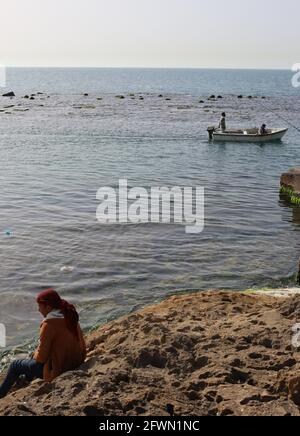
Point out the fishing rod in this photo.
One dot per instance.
(283, 118)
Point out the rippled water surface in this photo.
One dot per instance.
(59, 152)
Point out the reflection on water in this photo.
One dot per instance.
(295, 210)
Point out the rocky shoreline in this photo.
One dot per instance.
(208, 353)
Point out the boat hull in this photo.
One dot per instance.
(276, 135)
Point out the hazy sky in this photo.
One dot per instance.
(150, 33)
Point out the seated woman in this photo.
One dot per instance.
(61, 348)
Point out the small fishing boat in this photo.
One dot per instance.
(247, 135)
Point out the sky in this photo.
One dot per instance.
(151, 33)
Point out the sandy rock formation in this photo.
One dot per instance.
(210, 353)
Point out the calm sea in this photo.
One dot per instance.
(55, 156)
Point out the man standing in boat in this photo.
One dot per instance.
(222, 124)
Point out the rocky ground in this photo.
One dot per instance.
(212, 353)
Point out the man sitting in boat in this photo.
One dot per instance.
(222, 124)
(263, 130)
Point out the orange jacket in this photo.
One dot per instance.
(59, 349)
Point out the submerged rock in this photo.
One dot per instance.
(85, 106)
(9, 94)
(183, 107)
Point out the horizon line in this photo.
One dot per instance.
(147, 67)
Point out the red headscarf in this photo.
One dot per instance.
(52, 299)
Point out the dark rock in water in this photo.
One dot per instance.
(32, 98)
(40, 93)
(263, 97)
(85, 95)
(291, 179)
(240, 96)
(160, 96)
(201, 101)
(212, 96)
(26, 96)
(33, 95)
(168, 99)
(250, 96)
(9, 94)
(290, 185)
(220, 96)
(121, 97)
(141, 98)
(99, 98)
